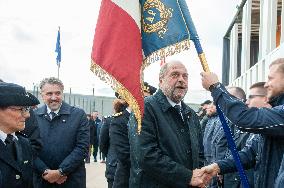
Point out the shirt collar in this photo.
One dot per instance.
(173, 103)
(49, 110)
(3, 136)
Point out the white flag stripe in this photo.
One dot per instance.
(132, 7)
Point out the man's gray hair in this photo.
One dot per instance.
(53, 81)
(165, 67)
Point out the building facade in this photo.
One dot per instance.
(253, 40)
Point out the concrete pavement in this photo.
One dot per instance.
(96, 175)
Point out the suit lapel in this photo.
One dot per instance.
(7, 158)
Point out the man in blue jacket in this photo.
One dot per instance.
(65, 134)
(267, 122)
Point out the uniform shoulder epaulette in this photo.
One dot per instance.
(117, 114)
(108, 116)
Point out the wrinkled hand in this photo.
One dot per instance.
(61, 180)
(51, 175)
(208, 78)
(202, 177)
(199, 178)
(212, 169)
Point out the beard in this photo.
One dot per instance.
(176, 94)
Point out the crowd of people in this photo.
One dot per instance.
(48, 146)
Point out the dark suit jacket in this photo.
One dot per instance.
(167, 158)
(65, 145)
(16, 174)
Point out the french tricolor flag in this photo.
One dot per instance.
(117, 50)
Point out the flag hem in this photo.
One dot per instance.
(119, 88)
(166, 51)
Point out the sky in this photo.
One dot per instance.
(28, 31)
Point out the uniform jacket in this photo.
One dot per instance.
(167, 160)
(107, 149)
(16, 174)
(65, 145)
(264, 121)
(119, 139)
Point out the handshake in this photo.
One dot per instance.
(202, 177)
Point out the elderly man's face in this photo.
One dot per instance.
(52, 96)
(174, 84)
(13, 118)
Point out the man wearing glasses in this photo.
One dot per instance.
(15, 149)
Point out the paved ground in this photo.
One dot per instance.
(96, 175)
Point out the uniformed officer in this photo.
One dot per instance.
(119, 140)
(16, 151)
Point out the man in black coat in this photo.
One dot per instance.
(16, 152)
(264, 121)
(118, 133)
(65, 134)
(170, 140)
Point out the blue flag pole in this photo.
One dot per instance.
(194, 37)
(58, 51)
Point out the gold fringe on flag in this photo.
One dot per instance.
(121, 90)
(165, 52)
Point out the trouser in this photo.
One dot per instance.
(110, 182)
(95, 150)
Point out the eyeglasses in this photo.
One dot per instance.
(22, 109)
(253, 96)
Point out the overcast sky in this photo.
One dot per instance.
(28, 31)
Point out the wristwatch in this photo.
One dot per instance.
(61, 172)
(213, 86)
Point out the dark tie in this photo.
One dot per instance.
(53, 114)
(10, 145)
(178, 108)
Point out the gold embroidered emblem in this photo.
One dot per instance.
(155, 17)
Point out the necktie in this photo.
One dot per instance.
(178, 108)
(52, 114)
(10, 145)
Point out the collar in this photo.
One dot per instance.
(172, 103)
(3, 136)
(48, 110)
(64, 109)
(165, 104)
(276, 101)
(128, 110)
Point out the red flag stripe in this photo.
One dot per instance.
(117, 49)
